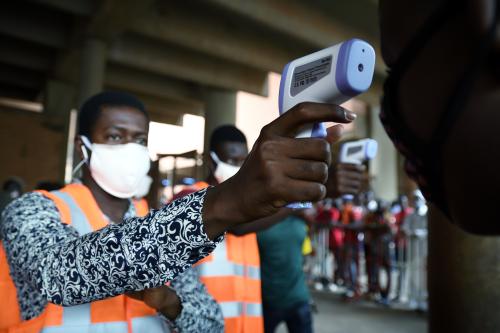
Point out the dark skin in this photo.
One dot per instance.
(277, 159)
(343, 179)
(470, 155)
(235, 153)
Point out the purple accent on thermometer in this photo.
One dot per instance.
(341, 72)
(318, 131)
(282, 88)
(355, 65)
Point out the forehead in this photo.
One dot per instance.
(124, 117)
(232, 150)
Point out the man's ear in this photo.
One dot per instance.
(79, 147)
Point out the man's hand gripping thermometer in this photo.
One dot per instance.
(332, 75)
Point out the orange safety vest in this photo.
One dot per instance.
(119, 314)
(232, 276)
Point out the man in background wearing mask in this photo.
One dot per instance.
(232, 272)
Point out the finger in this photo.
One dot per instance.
(301, 191)
(348, 190)
(308, 113)
(309, 149)
(307, 170)
(351, 167)
(334, 133)
(354, 183)
(341, 175)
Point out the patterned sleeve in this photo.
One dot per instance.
(50, 262)
(200, 312)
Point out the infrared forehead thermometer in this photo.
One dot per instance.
(356, 152)
(332, 75)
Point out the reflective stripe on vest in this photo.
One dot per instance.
(221, 266)
(78, 218)
(234, 281)
(236, 309)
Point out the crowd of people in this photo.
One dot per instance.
(365, 246)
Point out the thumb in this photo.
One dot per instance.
(334, 133)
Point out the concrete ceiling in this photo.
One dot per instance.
(168, 52)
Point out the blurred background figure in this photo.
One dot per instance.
(12, 188)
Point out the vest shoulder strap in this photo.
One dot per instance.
(62, 207)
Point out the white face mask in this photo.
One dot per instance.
(144, 187)
(117, 169)
(223, 171)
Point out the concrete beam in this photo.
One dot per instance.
(385, 165)
(26, 94)
(168, 106)
(31, 25)
(25, 56)
(114, 16)
(126, 78)
(186, 65)
(220, 109)
(93, 66)
(20, 77)
(182, 26)
(57, 102)
(77, 7)
(299, 20)
(111, 18)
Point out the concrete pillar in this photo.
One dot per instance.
(59, 101)
(220, 109)
(384, 168)
(463, 279)
(93, 63)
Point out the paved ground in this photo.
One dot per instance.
(336, 316)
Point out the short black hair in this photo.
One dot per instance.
(226, 133)
(92, 107)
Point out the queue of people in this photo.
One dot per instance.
(369, 247)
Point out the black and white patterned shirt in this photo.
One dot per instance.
(50, 262)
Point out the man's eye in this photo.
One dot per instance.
(142, 141)
(114, 137)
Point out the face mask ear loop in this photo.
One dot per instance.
(214, 157)
(86, 159)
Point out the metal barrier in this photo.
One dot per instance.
(395, 280)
